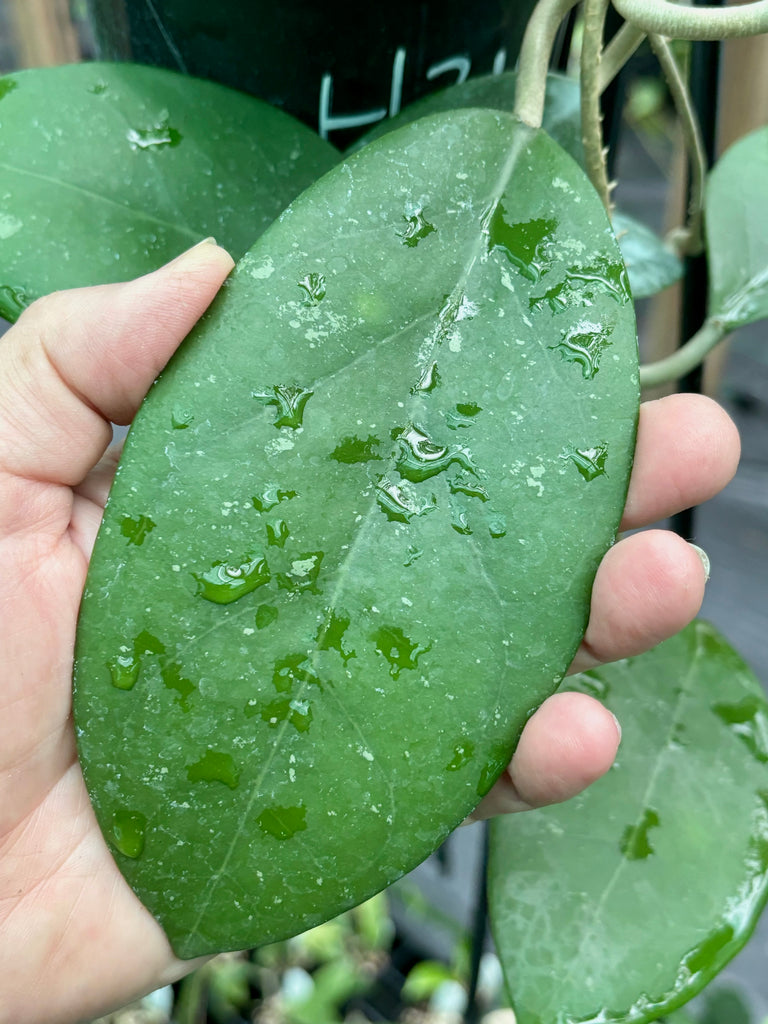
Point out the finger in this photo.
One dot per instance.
(687, 451)
(77, 359)
(647, 588)
(568, 743)
(89, 499)
(96, 486)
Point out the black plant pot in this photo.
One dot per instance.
(339, 66)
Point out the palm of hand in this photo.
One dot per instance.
(64, 901)
(85, 937)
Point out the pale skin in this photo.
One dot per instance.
(74, 940)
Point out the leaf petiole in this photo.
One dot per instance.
(692, 242)
(687, 357)
(539, 38)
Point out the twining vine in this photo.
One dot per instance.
(658, 21)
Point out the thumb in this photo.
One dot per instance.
(78, 359)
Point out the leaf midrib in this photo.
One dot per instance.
(520, 137)
(107, 200)
(589, 932)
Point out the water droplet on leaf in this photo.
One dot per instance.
(215, 766)
(497, 525)
(584, 343)
(13, 301)
(590, 462)
(171, 675)
(146, 643)
(398, 649)
(158, 136)
(351, 450)
(266, 614)
(297, 712)
(429, 380)
(331, 634)
(635, 844)
(314, 285)
(181, 418)
(303, 573)
(749, 722)
(289, 671)
(462, 754)
(124, 669)
(226, 582)
(459, 521)
(418, 458)
(277, 533)
(283, 822)
(412, 555)
(271, 496)
(290, 400)
(136, 530)
(128, 829)
(466, 485)
(399, 505)
(526, 245)
(417, 228)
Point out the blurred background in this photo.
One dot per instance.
(407, 956)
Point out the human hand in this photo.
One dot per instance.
(74, 940)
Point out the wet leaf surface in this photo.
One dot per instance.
(374, 531)
(109, 170)
(650, 265)
(622, 904)
(737, 232)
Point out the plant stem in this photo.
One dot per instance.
(533, 64)
(687, 357)
(617, 53)
(591, 116)
(678, 22)
(694, 145)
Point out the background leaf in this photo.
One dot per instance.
(109, 170)
(623, 903)
(737, 232)
(650, 265)
(562, 110)
(406, 428)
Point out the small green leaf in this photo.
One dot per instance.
(432, 579)
(623, 903)
(109, 170)
(737, 232)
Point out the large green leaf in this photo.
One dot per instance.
(109, 170)
(650, 265)
(737, 232)
(352, 539)
(623, 903)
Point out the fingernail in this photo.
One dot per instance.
(618, 725)
(704, 559)
(198, 245)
